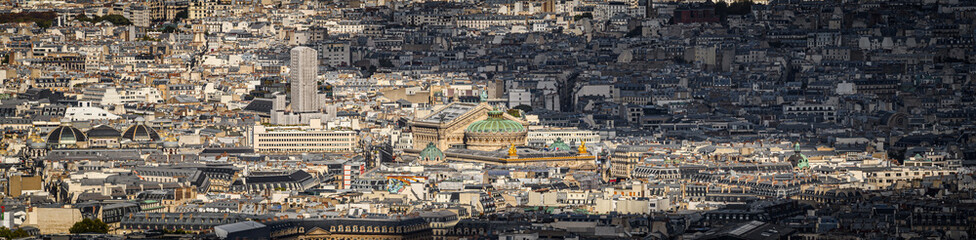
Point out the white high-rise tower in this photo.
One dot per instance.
(304, 68)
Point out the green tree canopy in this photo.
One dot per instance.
(89, 225)
(582, 16)
(83, 17)
(523, 107)
(115, 19)
(738, 7)
(514, 112)
(386, 63)
(181, 15)
(636, 32)
(8, 234)
(169, 29)
(42, 19)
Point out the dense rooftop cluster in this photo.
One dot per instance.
(509, 119)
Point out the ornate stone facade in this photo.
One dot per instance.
(445, 126)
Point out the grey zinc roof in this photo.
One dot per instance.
(449, 113)
(237, 227)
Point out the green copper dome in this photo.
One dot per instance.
(495, 123)
(431, 153)
(559, 145)
(804, 163)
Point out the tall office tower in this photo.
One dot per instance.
(304, 68)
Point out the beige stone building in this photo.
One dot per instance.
(624, 159)
(53, 220)
(445, 126)
(891, 177)
(17, 185)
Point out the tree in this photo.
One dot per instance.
(169, 29)
(42, 19)
(722, 9)
(523, 107)
(177, 231)
(89, 225)
(147, 38)
(636, 32)
(582, 16)
(181, 15)
(117, 20)
(739, 7)
(514, 112)
(386, 63)
(8, 234)
(84, 18)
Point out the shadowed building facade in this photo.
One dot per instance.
(405, 228)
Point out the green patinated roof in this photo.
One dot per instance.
(559, 145)
(805, 163)
(495, 123)
(431, 152)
